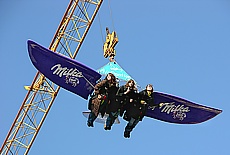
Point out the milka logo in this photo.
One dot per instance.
(65, 71)
(171, 107)
(178, 111)
(71, 74)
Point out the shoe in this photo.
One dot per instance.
(127, 134)
(107, 127)
(90, 124)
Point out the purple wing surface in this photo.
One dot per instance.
(63, 71)
(180, 111)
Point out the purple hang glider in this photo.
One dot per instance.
(63, 71)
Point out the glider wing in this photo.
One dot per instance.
(180, 111)
(63, 71)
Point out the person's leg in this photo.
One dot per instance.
(129, 127)
(91, 119)
(110, 120)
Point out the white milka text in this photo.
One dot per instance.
(171, 107)
(64, 71)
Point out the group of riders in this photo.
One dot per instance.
(124, 101)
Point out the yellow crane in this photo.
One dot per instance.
(67, 40)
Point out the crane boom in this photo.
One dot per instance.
(67, 40)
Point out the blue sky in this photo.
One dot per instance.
(180, 46)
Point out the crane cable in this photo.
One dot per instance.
(111, 17)
(102, 37)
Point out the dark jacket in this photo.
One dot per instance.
(108, 91)
(149, 99)
(112, 105)
(135, 109)
(124, 99)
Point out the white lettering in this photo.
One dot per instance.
(178, 111)
(171, 108)
(64, 71)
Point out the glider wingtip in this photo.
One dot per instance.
(29, 41)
